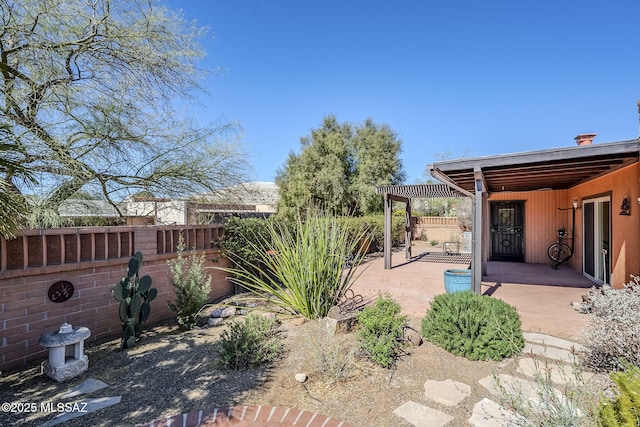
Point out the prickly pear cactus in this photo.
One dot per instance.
(135, 295)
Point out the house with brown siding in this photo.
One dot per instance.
(521, 200)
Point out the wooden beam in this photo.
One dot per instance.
(388, 205)
(407, 230)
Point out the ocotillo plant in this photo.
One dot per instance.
(135, 294)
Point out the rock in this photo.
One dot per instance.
(301, 377)
(215, 321)
(340, 323)
(298, 321)
(267, 314)
(412, 337)
(223, 312)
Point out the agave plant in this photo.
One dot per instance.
(303, 269)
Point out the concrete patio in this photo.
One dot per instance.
(541, 294)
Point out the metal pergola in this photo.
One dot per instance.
(404, 194)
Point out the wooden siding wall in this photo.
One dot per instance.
(93, 260)
(625, 230)
(541, 220)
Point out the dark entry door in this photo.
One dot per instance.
(507, 231)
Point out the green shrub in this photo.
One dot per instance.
(239, 234)
(474, 326)
(373, 226)
(191, 284)
(624, 411)
(304, 268)
(381, 330)
(252, 341)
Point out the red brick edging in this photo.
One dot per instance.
(248, 416)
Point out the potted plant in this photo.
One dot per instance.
(457, 279)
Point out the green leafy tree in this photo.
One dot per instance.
(92, 92)
(339, 167)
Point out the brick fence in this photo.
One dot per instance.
(93, 260)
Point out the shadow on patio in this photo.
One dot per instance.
(541, 294)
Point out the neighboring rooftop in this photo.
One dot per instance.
(251, 193)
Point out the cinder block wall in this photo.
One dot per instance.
(26, 312)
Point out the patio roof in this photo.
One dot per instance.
(552, 169)
(419, 191)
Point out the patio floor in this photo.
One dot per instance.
(541, 294)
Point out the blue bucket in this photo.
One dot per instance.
(457, 280)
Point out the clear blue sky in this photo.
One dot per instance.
(468, 78)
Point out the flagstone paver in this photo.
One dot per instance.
(559, 354)
(510, 384)
(559, 374)
(549, 341)
(422, 416)
(81, 408)
(488, 413)
(88, 386)
(447, 392)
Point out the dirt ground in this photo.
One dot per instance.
(170, 372)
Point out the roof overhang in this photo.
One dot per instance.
(553, 169)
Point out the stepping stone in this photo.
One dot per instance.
(422, 416)
(488, 413)
(81, 408)
(447, 392)
(559, 374)
(514, 385)
(549, 341)
(554, 353)
(87, 386)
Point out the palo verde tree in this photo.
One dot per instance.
(13, 207)
(339, 167)
(93, 92)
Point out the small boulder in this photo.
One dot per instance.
(299, 321)
(223, 312)
(412, 337)
(215, 321)
(301, 377)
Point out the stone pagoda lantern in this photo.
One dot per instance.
(66, 352)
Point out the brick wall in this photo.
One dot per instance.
(93, 260)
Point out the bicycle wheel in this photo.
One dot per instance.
(559, 252)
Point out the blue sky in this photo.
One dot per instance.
(459, 78)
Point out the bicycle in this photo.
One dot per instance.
(560, 252)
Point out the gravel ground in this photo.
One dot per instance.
(171, 372)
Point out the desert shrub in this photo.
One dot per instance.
(612, 330)
(304, 267)
(191, 284)
(624, 411)
(333, 355)
(570, 403)
(474, 326)
(252, 341)
(239, 233)
(381, 331)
